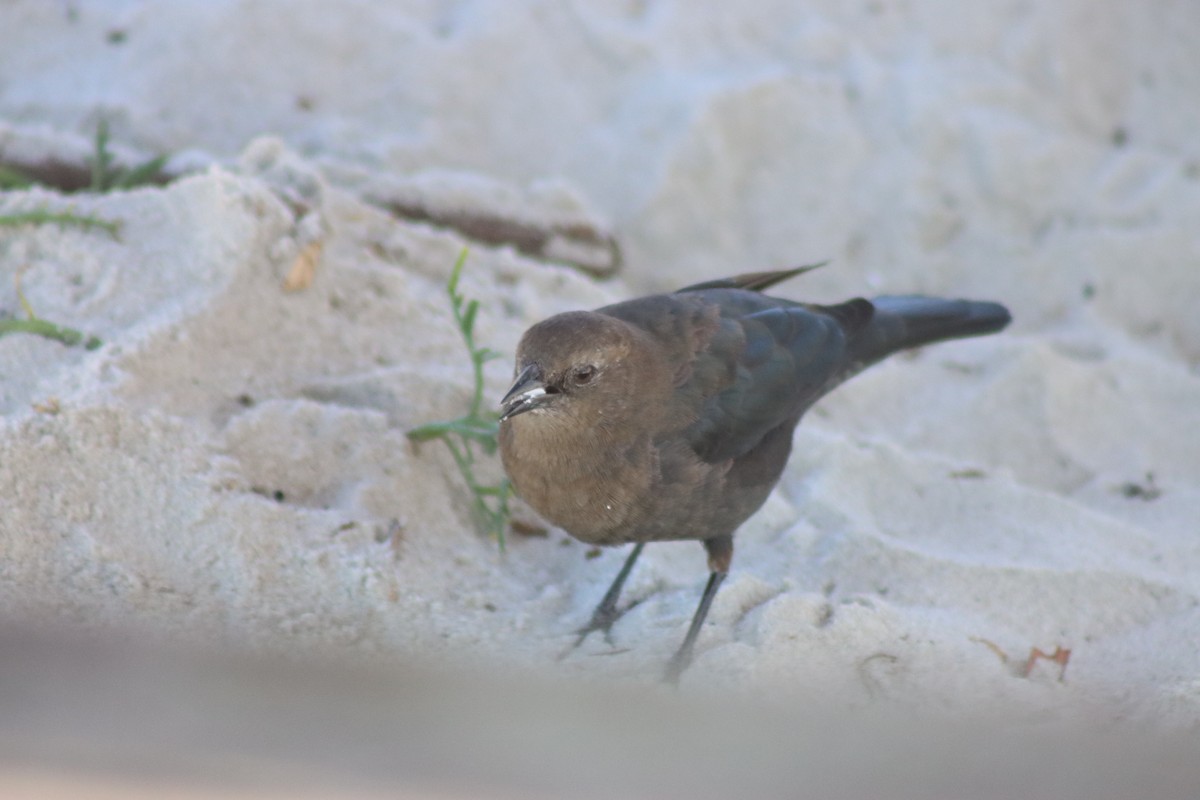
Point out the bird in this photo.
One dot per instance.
(671, 416)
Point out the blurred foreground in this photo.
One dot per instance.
(85, 718)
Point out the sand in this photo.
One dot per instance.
(231, 465)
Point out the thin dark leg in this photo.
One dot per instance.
(606, 613)
(683, 656)
(720, 556)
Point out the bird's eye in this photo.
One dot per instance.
(583, 375)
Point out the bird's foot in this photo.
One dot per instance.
(678, 663)
(603, 618)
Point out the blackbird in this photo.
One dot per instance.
(671, 416)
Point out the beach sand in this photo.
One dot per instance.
(230, 466)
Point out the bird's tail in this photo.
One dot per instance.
(903, 322)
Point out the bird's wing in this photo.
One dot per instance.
(752, 281)
(745, 363)
(764, 368)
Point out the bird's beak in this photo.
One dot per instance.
(527, 393)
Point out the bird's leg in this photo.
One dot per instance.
(683, 656)
(606, 613)
(720, 554)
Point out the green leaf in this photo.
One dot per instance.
(456, 272)
(40, 216)
(475, 429)
(468, 319)
(14, 179)
(41, 327)
(101, 158)
(140, 175)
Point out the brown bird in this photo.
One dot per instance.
(671, 416)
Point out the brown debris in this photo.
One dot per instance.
(579, 245)
(1060, 656)
(304, 268)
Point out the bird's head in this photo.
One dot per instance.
(581, 366)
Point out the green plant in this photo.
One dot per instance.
(107, 178)
(14, 179)
(34, 324)
(102, 175)
(477, 429)
(40, 216)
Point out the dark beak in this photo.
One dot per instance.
(527, 393)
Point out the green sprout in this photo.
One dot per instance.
(107, 178)
(35, 325)
(14, 179)
(101, 175)
(477, 428)
(40, 216)
(32, 322)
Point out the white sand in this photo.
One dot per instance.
(939, 511)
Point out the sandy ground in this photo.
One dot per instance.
(231, 465)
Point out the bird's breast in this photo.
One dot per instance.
(594, 488)
(609, 492)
